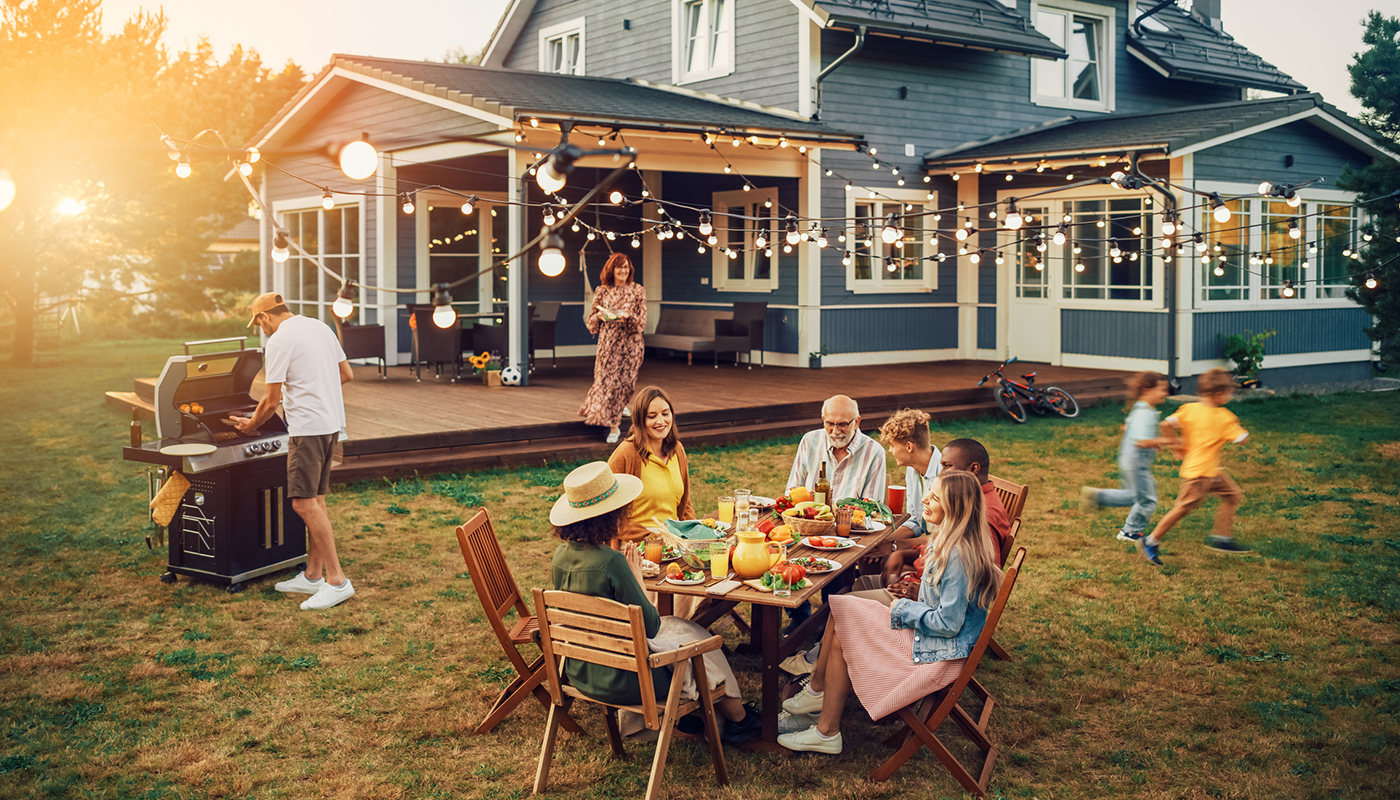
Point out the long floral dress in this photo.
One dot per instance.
(620, 349)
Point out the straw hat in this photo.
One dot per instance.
(593, 490)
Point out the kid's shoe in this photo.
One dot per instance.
(1088, 499)
(745, 729)
(300, 584)
(811, 741)
(1149, 551)
(1125, 536)
(1226, 544)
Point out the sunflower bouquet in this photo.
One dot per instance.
(485, 362)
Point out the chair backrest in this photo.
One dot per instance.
(362, 341)
(1011, 537)
(690, 321)
(490, 574)
(436, 344)
(594, 630)
(1008, 582)
(1013, 496)
(748, 313)
(546, 311)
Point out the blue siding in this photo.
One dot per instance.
(1123, 334)
(1315, 152)
(986, 328)
(861, 330)
(1303, 330)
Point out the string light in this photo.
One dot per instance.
(251, 155)
(359, 160)
(327, 201)
(182, 169)
(615, 197)
(1060, 236)
(407, 203)
(552, 255)
(706, 227)
(1218, 209)
(1168, 224)
(280, 247)
(1294, 231)
(891, 233)
(1371, 282)
(1288, 288)
(636, 242)
(444, 315)
(793, 237)
(344, 304)
(245, 169)
(1013, 217)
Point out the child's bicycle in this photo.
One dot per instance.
(1011, 395)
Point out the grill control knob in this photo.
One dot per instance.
(249, 449)
(276, 444)
(199, 498)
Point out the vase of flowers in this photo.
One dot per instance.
(488, 366)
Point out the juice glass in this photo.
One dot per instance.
(726, 509)
(719, 560)
(654, 548)
(843, 520)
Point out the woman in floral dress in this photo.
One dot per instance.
(618, 317)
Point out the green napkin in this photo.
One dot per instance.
(691, 529)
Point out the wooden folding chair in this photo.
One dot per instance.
(1013, 496)
(606, 632)
(998, 652)
(921, 726)
(496, 589)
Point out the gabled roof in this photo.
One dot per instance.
(981, 24)
(1192, 50)
(508, 96)
(1174, 132)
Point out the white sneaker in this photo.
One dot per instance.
(811, 741)
(300, 585)
(804, 702)
(792, 723)
(329, 596)
(797, 664)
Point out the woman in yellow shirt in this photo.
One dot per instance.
(653, 452)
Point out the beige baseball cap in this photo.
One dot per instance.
(264, 303)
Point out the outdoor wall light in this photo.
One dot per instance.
(359, 160)
(552, 255)
(280, 247)
(344, 304)
(443, 313)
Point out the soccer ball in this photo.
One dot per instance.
(510, 376)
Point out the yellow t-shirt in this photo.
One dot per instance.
(662, 489)
(1206, 429)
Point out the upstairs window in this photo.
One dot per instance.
(1084, 79)
(702, 39)
(561, 48)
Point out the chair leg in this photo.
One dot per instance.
(551, 735)
(707, 710)
(614, 733)
(516, 692)
(668, 730)
(997, 651)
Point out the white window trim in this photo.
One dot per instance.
(1257, 302)
(1108, 56)
(719, 262)
(324, 291)
(1055, 283)
(679, 75)
(556, 31)
(879, 284)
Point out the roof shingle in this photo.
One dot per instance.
(969, 23)
(1192, 50)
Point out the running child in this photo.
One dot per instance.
(1136, 455)
(1197, 432)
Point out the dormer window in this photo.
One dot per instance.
(561, 48)
(1084, 80)
(702, 39)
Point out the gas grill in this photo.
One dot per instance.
(235, 522)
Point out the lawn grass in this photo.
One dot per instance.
(1273, 675)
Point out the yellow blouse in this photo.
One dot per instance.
(662, 489)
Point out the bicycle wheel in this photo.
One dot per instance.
(1062, 402)
(1007, 401)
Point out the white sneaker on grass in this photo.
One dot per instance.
(329, 596)
(811, 741)
(792, 723)
(300, 585)
(804, 702)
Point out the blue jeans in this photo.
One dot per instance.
(1139, 489)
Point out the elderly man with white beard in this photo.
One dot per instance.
(855, 463)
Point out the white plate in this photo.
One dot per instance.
(867, 527)
(831, 565)
(695, 582)
(845, 544)
(189, 449)
(762, 502)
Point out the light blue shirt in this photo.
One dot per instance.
(914, 487)
(1143, 423)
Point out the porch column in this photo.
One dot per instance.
(1187, 264)
(651, 257)
(518, 335)
(386, 253)
(968, 271)
(809, 263)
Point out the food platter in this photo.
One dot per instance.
(671, 553)
(869, 526)
(815, 565)
(842, 543)
(683, 582)
(762, 502)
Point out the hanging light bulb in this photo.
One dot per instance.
(1218, 209)
(552, 255)
(845, 258)
(1014, 220)
(1219, 271)
(548, 214)
(636, 241)
(554, 173)
(1294, 231)
(615, 197)
(252, 155)
(1293, 199)
(957, 177)
(841, 236)
(705, 225)
(1060, 235)
(469, 204)
(344, 304)
(358, 160)
(733, 254)
(712, 240)
(245, 169)
(760, 241)
(1168, 224)
(281, 249)
(1288, 288)
(999, 259)
(1367, 235)
(734, 141)
(793, 237)
(822, 241)
(1200, 243)
(1265, 187)
(1078, 266)
(890, 233)
(748, 187)
(1114, 251)
(976, 257)
(444, 315)
(1371, 282)
(182, 169)
(327, 201)
(407, 203)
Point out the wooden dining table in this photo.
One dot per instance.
(766, 617)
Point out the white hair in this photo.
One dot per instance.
(837, 400)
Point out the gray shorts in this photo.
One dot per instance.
(309, 460)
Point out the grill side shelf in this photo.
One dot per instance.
(149, 453)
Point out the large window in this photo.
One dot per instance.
(903, 265)
(748, 238)
(1336, 240)
(1112, 262)
(1084, 79)
(1225, 267)
(1032, 277)
(702, 39)
(1280, 260)
(561, 48)
(1255, 258)
(332, 236)
(454, 247)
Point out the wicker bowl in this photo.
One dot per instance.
(809, 527)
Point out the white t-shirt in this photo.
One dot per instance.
(304, 356)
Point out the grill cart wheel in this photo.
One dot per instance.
(169, 577)
(234, 588)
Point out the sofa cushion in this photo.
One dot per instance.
(691, 321)
(685, 344)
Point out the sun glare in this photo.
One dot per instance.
(69, 207)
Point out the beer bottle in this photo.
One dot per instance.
(823, 492)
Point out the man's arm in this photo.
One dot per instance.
(798, 475)
(267, 406)
(346, 375)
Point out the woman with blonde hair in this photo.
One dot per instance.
(618, 317)
(893, 653)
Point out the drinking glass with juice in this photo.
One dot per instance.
(726, 509)
(719, 560)
(843, 520)
(654, 548)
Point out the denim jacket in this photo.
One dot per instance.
(946, 623)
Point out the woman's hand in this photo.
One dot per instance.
(633, 554)
(906, 590)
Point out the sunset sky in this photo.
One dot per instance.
(1309, 40)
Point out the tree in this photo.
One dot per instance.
(80, 118)
(1375, 81)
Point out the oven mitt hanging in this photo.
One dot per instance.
(167, 500)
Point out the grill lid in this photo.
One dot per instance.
(219, 382)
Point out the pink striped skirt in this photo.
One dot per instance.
(880, 659)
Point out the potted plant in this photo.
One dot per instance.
(488, 366)
(1247, 351)
(814, 359)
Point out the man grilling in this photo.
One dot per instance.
(305, 368)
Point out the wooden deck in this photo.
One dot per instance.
(400, 426)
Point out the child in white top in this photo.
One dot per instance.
(1136, 455)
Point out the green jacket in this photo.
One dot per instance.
(603, 572)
